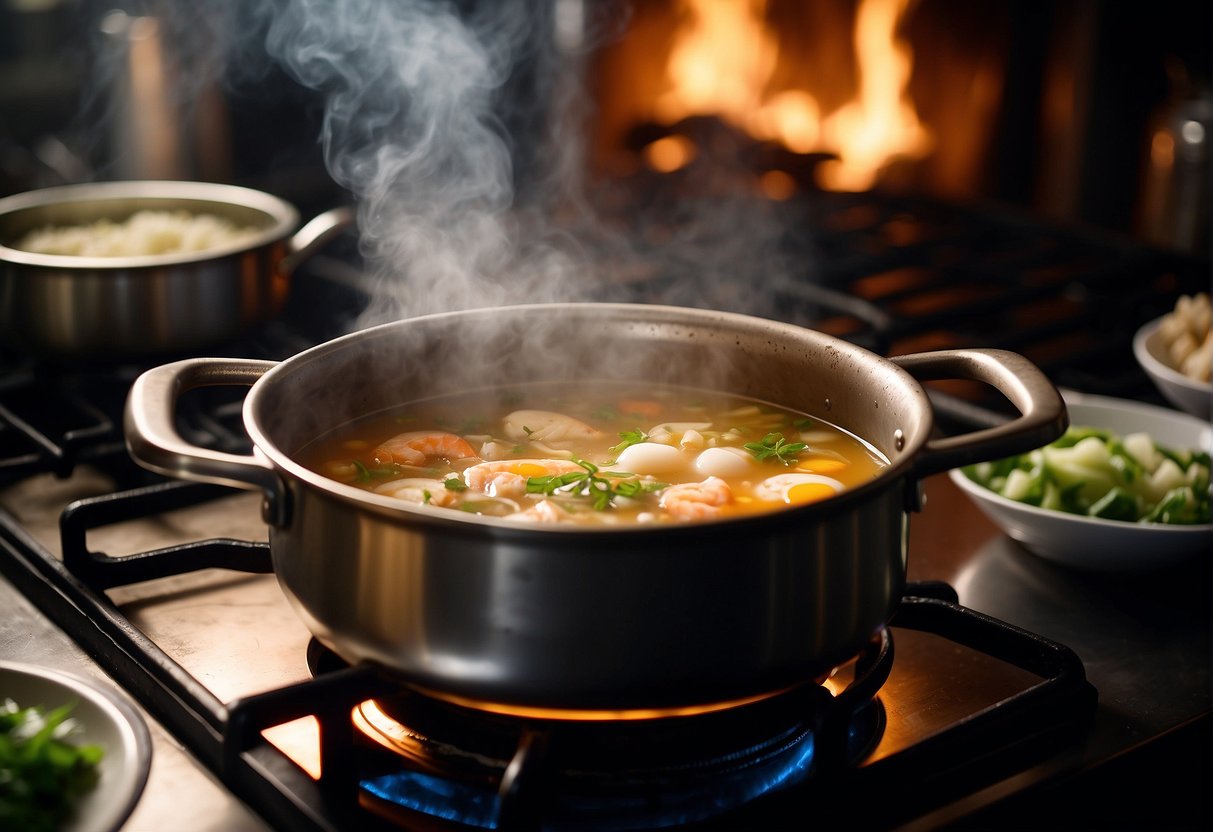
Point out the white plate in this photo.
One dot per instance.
(1092, 543)
(106, 719)
(1187, 394)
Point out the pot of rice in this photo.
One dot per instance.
(122, 270)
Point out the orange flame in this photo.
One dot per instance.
(720, 63)
(724, 58)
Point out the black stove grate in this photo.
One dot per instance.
(227, 736)
(948, 275)
(50, 420)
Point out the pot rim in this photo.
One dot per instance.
(284, 218)
(393, 509)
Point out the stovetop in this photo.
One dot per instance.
(95, 583)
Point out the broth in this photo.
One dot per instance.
(596, 453)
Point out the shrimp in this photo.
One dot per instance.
(507, 477)
(545, 511)
(417, 447)
(553, 433)
(697, 500)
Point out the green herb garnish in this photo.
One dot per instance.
(379, 472)
(42, 774)
(774, 446)
(629, 437)
(591, 483)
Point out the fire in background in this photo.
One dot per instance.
(821, 78)
(1047, 105)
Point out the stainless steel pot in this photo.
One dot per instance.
(615, 618)
(103, 308)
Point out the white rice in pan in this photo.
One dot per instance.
(145, 232)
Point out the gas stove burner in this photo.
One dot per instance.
(476, 763)
(622, 775)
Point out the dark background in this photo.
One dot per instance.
(1133, 64)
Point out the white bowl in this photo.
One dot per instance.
(1092, 543)
(1185, 393)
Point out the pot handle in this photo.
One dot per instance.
(1042, 418)
(149, 422)
(314, 235)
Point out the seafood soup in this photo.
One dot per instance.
(600, 453)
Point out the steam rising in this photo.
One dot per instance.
(460, 130)
(412, 129)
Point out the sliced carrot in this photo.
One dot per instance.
(640, 407)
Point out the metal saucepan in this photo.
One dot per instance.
(105, 308)
(616, 618)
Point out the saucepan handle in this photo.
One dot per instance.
(314, 235)
(1042, 418)
(155, 443)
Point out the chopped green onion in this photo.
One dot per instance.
(592, 483)
(774, 446)
(1094, 472)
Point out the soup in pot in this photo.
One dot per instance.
(597, 454)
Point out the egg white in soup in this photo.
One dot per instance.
(601, 453)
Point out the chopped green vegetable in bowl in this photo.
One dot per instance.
(43, 771)
(1095, 472)
(1126, 489)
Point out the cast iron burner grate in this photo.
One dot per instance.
(53, 420)
(227, 737)
(50, 421)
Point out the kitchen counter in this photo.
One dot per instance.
(1144, 641)
(180, 794)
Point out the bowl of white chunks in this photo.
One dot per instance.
(1176, 351)
(1126, 488)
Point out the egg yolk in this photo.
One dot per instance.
(528, 469)
(807, 492)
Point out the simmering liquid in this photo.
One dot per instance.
(596, 453)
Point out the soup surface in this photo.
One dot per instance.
(596, 453)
